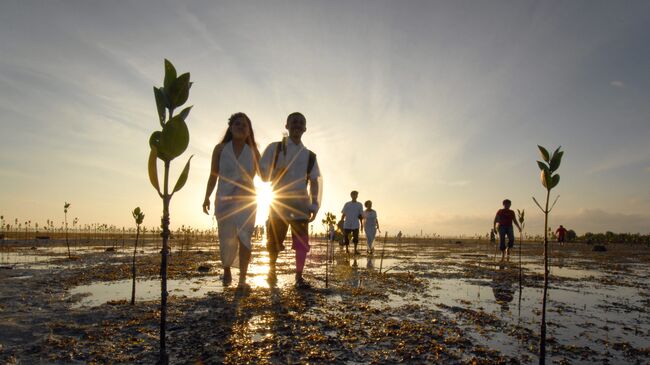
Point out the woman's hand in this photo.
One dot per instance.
(206, 206)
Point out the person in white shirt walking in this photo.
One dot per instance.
(352, 214)
(371, 225)
(296, 182)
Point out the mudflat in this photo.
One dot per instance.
(417, 301)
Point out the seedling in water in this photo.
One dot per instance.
(549, 181)
(138, 215)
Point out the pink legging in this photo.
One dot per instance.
(300, 243)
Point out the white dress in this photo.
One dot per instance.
(235, 202)
(370, 226)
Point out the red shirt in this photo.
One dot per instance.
(561, 232)
(505, 217)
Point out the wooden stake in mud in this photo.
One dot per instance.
(383, 250)
(65, 212)
(327, 259)
(520, 217)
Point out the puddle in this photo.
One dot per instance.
(145, 290)
(565, 272)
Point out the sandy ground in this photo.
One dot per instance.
(403, 314)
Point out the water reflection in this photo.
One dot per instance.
(502, 287)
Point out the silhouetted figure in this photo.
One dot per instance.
(371, 225)
(234, 164)
(505, 218)
(295, 179)
(352, 215)
(561, 234)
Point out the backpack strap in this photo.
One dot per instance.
(311, 162)
(276, 153)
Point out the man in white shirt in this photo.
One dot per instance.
(352, 214)
(295, 178)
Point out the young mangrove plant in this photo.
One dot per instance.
(549, 181)
(65, 213)
(166, 145)
(138, 215)
(522, 224)
(329, 220)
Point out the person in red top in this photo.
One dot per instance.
(561, 234)
(505, 218)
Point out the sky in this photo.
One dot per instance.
(431, 109)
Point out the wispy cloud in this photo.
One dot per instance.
(617, 83)
(625, 156)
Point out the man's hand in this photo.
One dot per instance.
(313, 211)
(206, 206)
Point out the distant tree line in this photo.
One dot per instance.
(611, 237)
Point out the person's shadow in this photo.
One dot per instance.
(209, 322)
(502, 287)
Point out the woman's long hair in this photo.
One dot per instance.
(251, 136)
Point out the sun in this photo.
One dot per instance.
(264, 200)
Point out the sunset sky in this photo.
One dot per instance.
(432, 109)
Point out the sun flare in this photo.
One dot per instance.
(264, 200)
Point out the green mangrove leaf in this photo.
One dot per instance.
(153, 169)
(544, 153)
(542, 166)
(546, 178)
(155, 142)
(159, 94)
(179, 90)
(138, 215)
(185, 112)
(556, 160)
(182, 179)
(175, 138)
(554, 181)
(170, 75)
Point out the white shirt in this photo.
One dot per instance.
(352, 211)
(369, 219)
(292, 165)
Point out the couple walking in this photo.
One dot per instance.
(295, 177)
(354, 217)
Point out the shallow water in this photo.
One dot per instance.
(592, 304)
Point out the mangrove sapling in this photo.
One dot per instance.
(166, 145)
(138, 215)
(549, 181)
(522, 224)
(383, 251)
(65, 213)
(330, 219)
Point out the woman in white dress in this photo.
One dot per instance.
(371, 224)
(234, 164)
